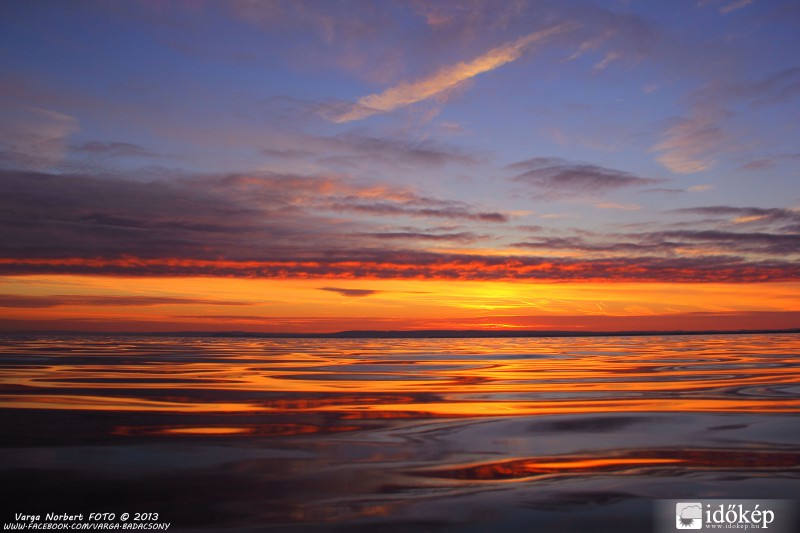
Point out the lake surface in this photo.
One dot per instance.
(528, 434)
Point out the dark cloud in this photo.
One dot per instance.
(740, 242)
(238, 216)
(253, 318)
(398, 151)
(59, 300)
(646, 246)
(672, 242)
(428, 265)
(90, 216)
(450, 210)
(274, 226)
(114, 149)
(463, 236)
(553, 177)
(351, 293)
(369, 152)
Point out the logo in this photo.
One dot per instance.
(689, 515)
(770, 516)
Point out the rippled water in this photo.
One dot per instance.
(548, 434)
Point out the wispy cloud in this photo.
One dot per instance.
(407, 93)
(726, 6)
(607, 60)
(690, 144)
(34, 137)
(693, 142)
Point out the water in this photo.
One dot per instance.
(550, 434)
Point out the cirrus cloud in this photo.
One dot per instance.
(446, 78)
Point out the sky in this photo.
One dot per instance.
(328, 165)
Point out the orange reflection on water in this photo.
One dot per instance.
(405, 378)
(285, 429)
(626, 460)
(206, 431)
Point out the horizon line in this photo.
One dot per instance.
(413, 333)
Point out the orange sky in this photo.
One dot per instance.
(112, 303)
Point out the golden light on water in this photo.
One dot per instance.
(365, 379)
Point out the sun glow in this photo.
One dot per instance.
(309, 305)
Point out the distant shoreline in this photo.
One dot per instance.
(402, 334)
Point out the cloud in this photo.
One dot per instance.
(579, 244)
(21, 301)
(351, 293)
(407, 93)
(34, 137)
(286, 153)
(462, 237)
(247, 318)
(622, 207)
(726, 6)
(235, 217)
(769, 162)
(388, 150)
(113, 149)
(759, 164)
(741, 242)
(416, 208)
(745, 214)
(777, 87)
(785, 221)
(427, 265)
(554, 177)
(290, 226)
(365, 155)
(690, 144)
(354, 150)
(607, 60)
(673, 243)
(365, 38)
(665, 191)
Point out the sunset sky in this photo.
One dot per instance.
(317, 166)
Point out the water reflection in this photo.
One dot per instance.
(406, 434)
(431, 376)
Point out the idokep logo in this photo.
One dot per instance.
(769, 516)
(689, 515)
